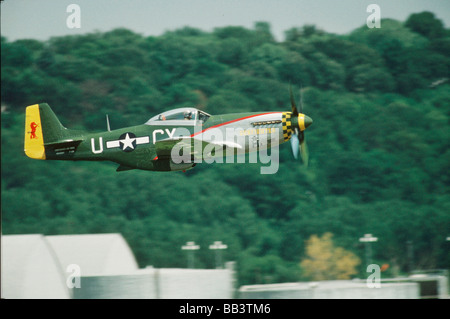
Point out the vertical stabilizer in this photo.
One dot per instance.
(44, 132)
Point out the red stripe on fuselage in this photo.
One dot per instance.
(232, 121)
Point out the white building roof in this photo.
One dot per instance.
(96, 254)
(30, 269)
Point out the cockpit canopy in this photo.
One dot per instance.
(184, 115)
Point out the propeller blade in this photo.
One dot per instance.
(301, 100)
(301, 135)
(294, 108)
(295, 145)
(304, 151)
(298, 140)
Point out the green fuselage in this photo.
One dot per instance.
(134, 147)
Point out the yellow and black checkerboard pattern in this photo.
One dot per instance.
(287, 126)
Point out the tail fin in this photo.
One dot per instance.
(42, 128)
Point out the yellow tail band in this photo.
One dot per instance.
(34, 139)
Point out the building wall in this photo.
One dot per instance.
(132, 286)
(338, 289)
(195, 283)
(162, 283)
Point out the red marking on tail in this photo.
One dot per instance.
(33, 126)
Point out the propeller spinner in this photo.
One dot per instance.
(300, 122)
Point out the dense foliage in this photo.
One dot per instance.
(379, 145)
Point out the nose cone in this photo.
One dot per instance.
(308, 121)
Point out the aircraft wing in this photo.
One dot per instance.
(189, 144)
(164, 147)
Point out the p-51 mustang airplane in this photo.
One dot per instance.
(152, 145)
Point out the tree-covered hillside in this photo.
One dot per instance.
(379, 144)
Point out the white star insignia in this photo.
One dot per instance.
(127, 142)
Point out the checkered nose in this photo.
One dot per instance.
(286, 121)
(291, 123)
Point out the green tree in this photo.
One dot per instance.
(426, 24)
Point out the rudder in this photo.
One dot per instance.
(42, 127)
(34, 139)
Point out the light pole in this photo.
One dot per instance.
(218, 247)
(190, 247)
(368, 238)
